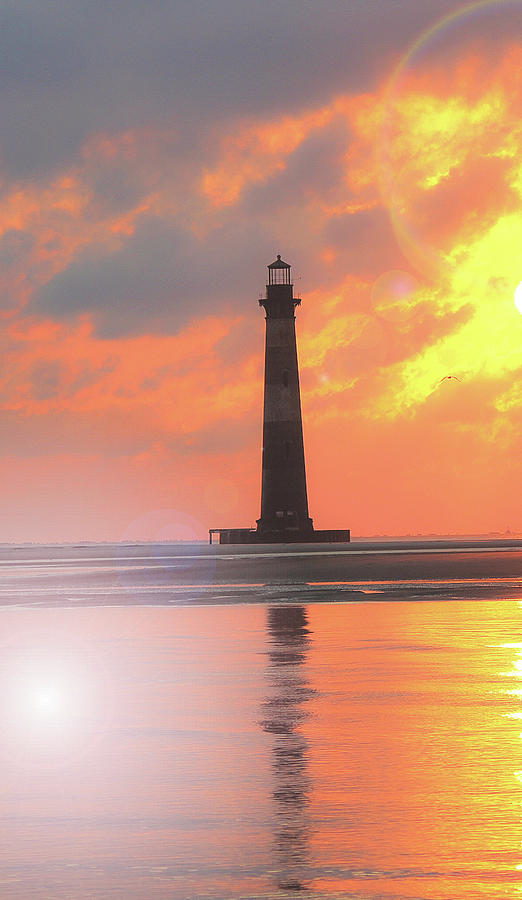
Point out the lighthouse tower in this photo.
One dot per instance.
(284, 502)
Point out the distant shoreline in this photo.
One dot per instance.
(492, 538)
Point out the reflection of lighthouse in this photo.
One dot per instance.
(284, 711)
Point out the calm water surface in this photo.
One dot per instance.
(338, 750)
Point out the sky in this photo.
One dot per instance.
(154, 159)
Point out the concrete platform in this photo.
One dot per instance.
(252, 536)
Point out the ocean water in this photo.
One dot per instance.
(185, 723)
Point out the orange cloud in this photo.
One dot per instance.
(175, 381)
(256, 152)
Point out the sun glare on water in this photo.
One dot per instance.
(43, 703)
(51, 718)
(48, 701)
(518, 297)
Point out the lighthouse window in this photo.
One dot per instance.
(279, 275)
(285, 378)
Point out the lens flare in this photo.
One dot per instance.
(434, 103)
(393, 295)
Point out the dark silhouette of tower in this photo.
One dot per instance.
(284, 502)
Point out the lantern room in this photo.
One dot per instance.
(279, 272)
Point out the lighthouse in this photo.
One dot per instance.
(284, 501)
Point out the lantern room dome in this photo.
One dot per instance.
(279, 263)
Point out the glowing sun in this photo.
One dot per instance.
(518, 297)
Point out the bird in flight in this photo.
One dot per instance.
(450, 378)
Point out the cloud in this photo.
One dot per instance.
(161, 278)
(71, 69)
(453, 210)
(312, 173)
(15, 244)
(365, 241)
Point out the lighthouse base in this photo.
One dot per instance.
(253, 536)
